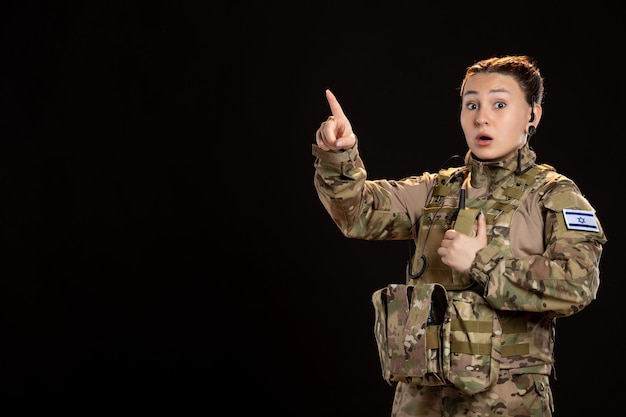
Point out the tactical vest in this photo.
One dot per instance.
(443, 212)
(437, 329)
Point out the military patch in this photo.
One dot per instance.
(580, 220)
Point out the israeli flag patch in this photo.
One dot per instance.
(580, 220)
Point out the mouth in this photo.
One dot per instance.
(483, 140)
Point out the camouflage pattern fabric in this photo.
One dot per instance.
(408, 330)
(497, 339)
(514, 395)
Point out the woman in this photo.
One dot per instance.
(503, 247)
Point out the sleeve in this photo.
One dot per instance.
(563, 279)
(362, 208)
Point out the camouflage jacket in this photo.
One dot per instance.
(542, 268)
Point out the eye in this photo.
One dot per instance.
(500, 105)
(471, 106)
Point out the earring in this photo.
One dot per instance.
(531, 130)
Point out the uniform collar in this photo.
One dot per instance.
(492, 173)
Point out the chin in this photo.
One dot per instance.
(482, 155)
(487, 156)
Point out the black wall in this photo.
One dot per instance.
(162, 245)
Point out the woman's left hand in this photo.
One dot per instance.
(458, 250)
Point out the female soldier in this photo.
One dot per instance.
(503, 247)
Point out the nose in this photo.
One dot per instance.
(481, 118)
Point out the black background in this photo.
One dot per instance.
(162, 245)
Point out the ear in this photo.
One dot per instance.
(538, 111)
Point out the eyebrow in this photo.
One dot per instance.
(495, 90)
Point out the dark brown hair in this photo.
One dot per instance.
(521, 67)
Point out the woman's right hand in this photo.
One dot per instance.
(335, 133)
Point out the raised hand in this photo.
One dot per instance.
(335, 133)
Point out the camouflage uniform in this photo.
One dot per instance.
(536, 267)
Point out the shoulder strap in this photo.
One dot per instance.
(444, 183)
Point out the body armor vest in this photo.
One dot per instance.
(447, 210)
(435, 329)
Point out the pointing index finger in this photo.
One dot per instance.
(335, 108)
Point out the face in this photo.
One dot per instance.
(495, 116)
